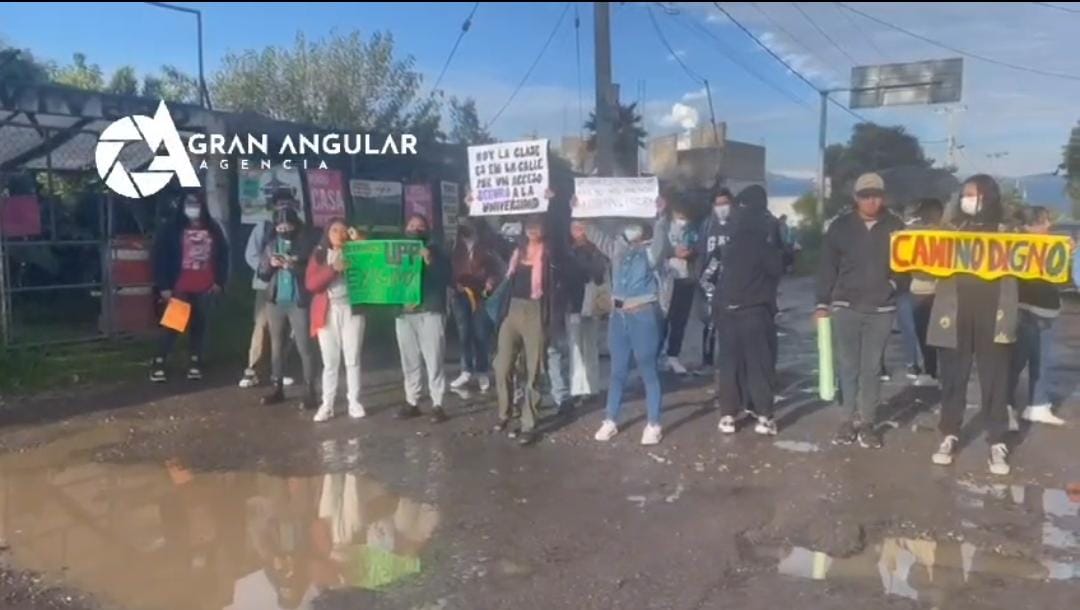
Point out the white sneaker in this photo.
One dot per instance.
(356, 411)
(484, 382)
(287, 381)
(651, 435)
(607, 431)
(1042, 414)
(999, 460)
(765, 426)
(324, 413)
(675, 366)
(944, 455)
(727, 424)
(250, 379)
(464, 378)
(1014, 424)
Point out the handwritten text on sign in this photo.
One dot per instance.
(600, 197)
(384, 272)
(508, 178)
(986, 255)
(326, 189)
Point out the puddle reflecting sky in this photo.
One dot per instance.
(159, 536)
(933, 571)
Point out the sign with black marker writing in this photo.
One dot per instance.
(384, 271)
(508, 178)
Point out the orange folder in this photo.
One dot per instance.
(177, 315)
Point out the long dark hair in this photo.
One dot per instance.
(324, 242)
(991, 213)
(181, 219)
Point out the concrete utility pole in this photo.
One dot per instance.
(605, 127)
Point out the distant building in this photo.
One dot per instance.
(697, 158)
(575, 149)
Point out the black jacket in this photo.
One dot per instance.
(1040, 297)
(584, 265)
(301, 246)
(854, 270)
(554, 303)
(750, 275)
(435, 282)
(168, 251)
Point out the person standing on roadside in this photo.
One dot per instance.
(857, 289)
(927, 216)
(715, 235)
(589, 266)
(683, 236)
(476, 271)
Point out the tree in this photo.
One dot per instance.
(79, 74)
(806, 207)
(172, 86)
(629, 137)
(871, 148)
(1071, 166)
(19, 66)
(124, 82)
(343, 82)
(465, 123)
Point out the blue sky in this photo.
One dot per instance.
(1024, 115)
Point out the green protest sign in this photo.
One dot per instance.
(384, 271)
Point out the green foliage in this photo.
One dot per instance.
(465, 127)
(79, 74)
(1071, 165)
(629, 137)
(871, 148)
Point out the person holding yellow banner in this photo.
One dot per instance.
(974, 321)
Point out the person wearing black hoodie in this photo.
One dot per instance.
(744, 308)
(283, 268)
(191, 263)
(857, 289)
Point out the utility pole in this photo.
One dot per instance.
(821, 157)
(953, 147)
(605, 128)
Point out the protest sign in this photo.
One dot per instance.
(255, 187)
(376, 205)
(986, 255)
(448, 196)
(384, 271)
(177, 315)
(419, 201)
(508, 178)
(622, 197)
(326, 191)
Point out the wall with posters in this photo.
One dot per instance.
(419, 201)
(376, 205)
(256, 186)
(326, 191)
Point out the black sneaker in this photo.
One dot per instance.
(194, 372)
(438, 415)
(310, 401)
(846, 435)
(157, 370)
(869, 438)
(276, 396)
(407, 411)
(913, 372)
(526, 439)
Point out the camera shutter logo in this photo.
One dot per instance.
(154, 131)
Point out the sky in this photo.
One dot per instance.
(1011, 122)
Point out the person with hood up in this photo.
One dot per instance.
(743, 310)
(283, 267)
(336, 323)
(191, 263)
(857, 289)
(974, 321)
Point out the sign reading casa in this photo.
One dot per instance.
(986, 255)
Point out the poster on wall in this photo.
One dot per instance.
(20, 216)
(326, 192)
(255, 187)
(376, 205)
(448, 195)
(419, 200)
(508, 178)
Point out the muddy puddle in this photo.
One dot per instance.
(936, 571)
(159, 536)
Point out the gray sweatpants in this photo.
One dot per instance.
(421, 341)
(859, 341)
(297, 318)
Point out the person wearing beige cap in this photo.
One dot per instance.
(857, 289)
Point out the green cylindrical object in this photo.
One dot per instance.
(826, 375)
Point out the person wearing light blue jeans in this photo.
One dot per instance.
(635, 327)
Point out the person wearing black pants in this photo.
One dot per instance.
(923, 305)
(928, 216)
(682, 300)
(715, 233)
(744, 312)
(975, 320)
(683, 236)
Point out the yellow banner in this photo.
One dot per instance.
(988, 255)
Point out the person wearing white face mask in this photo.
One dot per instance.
(191, 263)
(683, 237)
(715, 234)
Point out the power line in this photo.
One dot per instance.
(536, 61)
(776, 23)
(464, 28)
(577, 53)
(660, 34)
(798, 74)
(823, 32)
(734, 58)
(1060, 8)
(866, 37)
(983, 58)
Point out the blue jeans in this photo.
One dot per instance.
(634, 335)
(905, 318)
(474, 334)
(1032, 349)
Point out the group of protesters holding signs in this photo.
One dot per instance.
(529, 309)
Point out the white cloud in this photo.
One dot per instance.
(682, 116)
(800, 174)
(678, 54)
(694, 96)
(805, 64)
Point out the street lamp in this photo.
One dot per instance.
(204, 95)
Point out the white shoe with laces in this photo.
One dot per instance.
(287, 381)
(999, 460)
(766, 426)
(675, 366)
(484, 382)
(607, 431)
(727, 424)
(1042, 414)
(944, 455)
(462, 380)
(324, 413)
(356, 411)
(651, 435)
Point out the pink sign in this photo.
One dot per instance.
(326, 191)
(20, 216)
(419, 200)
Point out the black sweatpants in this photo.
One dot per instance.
(745, 360)
(975, 322)
(197, 326)
(923, 304)
(682, 299)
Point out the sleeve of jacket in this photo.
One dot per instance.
(772, 255)
(609, 245)
(164, 258)
(828, 267)
(265, 271)
(660, 247)
(319, 276)
(255, 243)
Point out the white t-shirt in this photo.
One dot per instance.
(337, 291)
